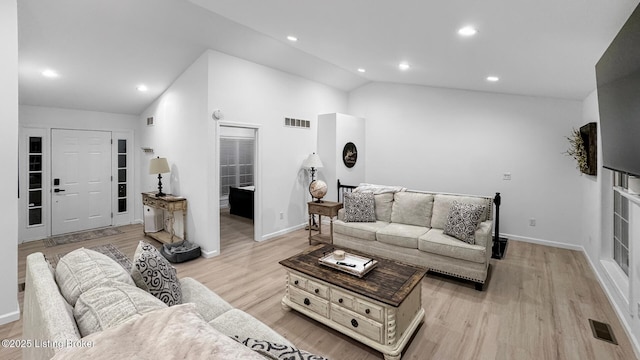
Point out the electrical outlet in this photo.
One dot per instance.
(532, 222)
(638, 308)
(506, 176)
(281, 215)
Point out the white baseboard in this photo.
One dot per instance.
(209, 254)
(11, 316)
(542, 242)
(282, 232)
(616, 308)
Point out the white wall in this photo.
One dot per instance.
(47, 117)
(250, 93)
(181, 133)
(9, 310)
(463, 142)
(334, 132)
(246, 93)
(597, 237)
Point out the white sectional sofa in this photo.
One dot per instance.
(409, 227)
(128, 322)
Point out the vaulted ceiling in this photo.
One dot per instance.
(102, 50)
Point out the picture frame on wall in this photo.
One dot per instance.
(349, 155)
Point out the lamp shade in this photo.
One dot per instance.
(159, 166)
(313, 161)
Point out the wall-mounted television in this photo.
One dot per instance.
(618, 80)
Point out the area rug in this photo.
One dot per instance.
(81, 236)
(108, 249)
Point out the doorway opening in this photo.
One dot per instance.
(238, 165)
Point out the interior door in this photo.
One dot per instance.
(80, 179)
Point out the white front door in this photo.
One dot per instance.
(80, 179)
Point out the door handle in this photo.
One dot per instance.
(58, 190)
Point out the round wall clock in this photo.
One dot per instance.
(349, 155)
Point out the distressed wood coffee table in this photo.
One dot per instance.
(381, 310)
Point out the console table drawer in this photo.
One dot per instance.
(357, 323)
(311, 302)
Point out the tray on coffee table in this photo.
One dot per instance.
(351, 264)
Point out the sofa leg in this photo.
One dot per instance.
(479, 286)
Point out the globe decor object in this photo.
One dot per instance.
(318, 189)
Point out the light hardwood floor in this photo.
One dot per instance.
(536, 304)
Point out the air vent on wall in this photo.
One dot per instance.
(150, 121)
(305, 124)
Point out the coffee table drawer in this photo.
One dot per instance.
(357, 323)
(343, 299)
(297, 281)
(370, 310)
(318, 289)
(311, 302)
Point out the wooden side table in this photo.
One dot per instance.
(326, 208)
(170, 204)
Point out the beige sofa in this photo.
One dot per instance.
(202, 327)
(409, 227)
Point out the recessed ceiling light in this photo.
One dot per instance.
(362, 70)
(292, 38)
(467, 31)
(50, 73)
(492, 78)
(142, 87)
(403, 66)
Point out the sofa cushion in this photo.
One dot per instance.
(82, 269)
(442, 204)
(365, 231)
(207, 302)
(384, 205)
(176, 332)
(412, 208)
(237, 323)
(463, 221)
(111, 304)
(436, 242)
(359, 207)
(401, 235)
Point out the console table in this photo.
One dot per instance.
(326, 208)
(169, 204)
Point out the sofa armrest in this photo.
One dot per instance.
(207, 302)
(47, 315)
(484, 236)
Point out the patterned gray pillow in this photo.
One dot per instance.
(276, 351)
(153, 273)
(359, 207)
(463, 220)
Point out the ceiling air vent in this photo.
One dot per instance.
(304, 124)
(150, 121)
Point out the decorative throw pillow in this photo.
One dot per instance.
(463, 220)
(277, 351)
(153, 273)
(359, 207)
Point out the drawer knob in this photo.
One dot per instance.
(296, 282)
(340, 300)
(354, 323)
(317, 290)
(307, 302)
(367, 311)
